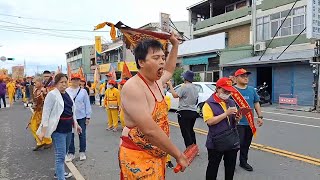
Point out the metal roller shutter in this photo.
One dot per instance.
(303, 79)
(282, 81)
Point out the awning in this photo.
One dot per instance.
(195, 60)
(104, 68)
(112, 48)
(295, 56)
(131, 65)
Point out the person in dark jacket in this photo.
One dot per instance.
(219, 112)
(3, 91)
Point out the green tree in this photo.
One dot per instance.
(177, 76)
(197, 77)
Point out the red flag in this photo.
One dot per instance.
(125, 71)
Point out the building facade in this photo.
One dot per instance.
(279, 56)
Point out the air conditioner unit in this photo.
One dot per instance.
(260, 46)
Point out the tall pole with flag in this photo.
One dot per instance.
(98, 49)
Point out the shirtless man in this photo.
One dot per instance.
(145, 143)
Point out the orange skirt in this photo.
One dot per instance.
(137, 164)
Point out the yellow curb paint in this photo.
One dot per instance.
(269, 149)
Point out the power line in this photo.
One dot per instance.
(25, 26)
(278, 29)
(292, 42)
(43, 34)
(48, 29)
(22, 26)
(42, 19)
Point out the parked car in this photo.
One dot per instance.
(205, 89)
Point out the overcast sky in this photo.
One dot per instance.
(47, 52)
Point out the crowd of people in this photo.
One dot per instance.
(61, 108)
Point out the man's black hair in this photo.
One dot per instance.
(46, 72)
(141, 51)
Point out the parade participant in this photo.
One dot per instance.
(246, 96)
(11, 88)
(121, 113)
(19, 90)
(102, 90)
(219, 114)
(168, 101)
(3, 92)
(83, 114)
(48, 81)
(145, 140)
(38, 100)
(83, 84)
(58, 119)
(112, 102)
(187, 110)
(28, 90)
(91, 93)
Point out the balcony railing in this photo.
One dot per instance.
(229, 16)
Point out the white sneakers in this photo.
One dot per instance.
(71, 157)
(83, 156)
(66, 175)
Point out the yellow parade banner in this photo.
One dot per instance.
(98, 49)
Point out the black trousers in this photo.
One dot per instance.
(101, 98)
(3, 97)
(92, 100)
(186, 120)
(245, 135)
(214, 157)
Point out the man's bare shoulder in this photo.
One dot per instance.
(133, 85)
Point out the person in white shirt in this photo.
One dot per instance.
(83, 114)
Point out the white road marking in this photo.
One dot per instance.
(292, 115)
(300, 124)
(76, 174)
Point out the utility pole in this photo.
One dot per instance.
(24, 67)
(253, 22)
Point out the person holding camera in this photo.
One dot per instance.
(220, 114)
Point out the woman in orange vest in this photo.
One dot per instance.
(112, 102)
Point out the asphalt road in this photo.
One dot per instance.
(18, 161)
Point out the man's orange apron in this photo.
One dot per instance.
(138, 158)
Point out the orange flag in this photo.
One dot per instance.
(80, 71)
(125, 71)
(113, 31)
